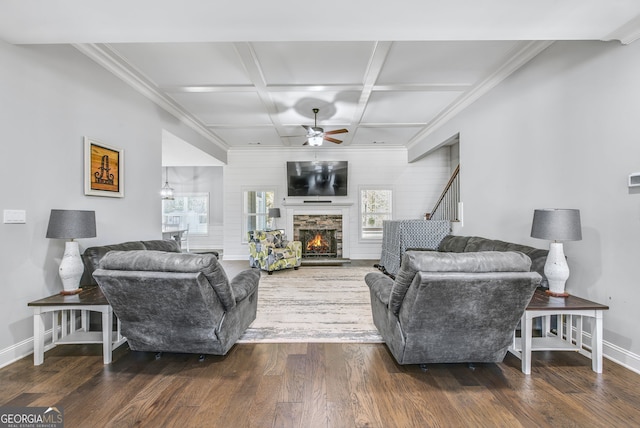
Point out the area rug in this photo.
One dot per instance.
(314, 304)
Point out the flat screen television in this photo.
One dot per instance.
(317, 178)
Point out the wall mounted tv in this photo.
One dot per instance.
(317, 178)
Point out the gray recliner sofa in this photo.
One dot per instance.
(470, 244)
(177, 302)
(448, 307)
(92, 256)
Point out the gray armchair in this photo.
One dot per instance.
(177, 302)
(452, 307)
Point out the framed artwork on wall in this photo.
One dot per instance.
(103, 169)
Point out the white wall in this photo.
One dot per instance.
(52, 96)
(416, 186)
(563, 132)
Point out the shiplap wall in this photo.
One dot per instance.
(416, 186)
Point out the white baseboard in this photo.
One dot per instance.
(621, 356)
(20, 350)
(14, 353)
(235, 257)
(618, 355)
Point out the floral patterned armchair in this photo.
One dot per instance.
(268, 250)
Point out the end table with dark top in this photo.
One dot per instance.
(64, 326)
(565, 308)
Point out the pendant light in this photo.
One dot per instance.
(167, 191)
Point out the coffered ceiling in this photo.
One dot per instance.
(249, 73)
(260, 93)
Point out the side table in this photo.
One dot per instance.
(64, 326)
(565, 308)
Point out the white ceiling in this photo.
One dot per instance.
(249, 73)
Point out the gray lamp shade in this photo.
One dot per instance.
(274, 212)
(71, 224)
(556, 225)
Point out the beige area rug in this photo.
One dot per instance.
(314, 304)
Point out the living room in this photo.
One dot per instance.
(559, 132)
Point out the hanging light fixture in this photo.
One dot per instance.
(315, 140)
(167, 191)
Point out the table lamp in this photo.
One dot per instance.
(274, 213)
(556, 225)
(71, 224)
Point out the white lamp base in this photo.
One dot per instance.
(71, 268)
(556, 270)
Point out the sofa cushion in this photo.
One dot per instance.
(433, 261)
(459, 244)
(482, 261)
(91, 256)
(168, 245)
(454, 243)
(159, 261)
(282, 253)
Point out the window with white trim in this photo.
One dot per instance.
(376, 205)
(255, 207)
(187, 211)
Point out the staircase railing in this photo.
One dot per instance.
(446, 208)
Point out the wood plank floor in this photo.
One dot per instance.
(319, 385)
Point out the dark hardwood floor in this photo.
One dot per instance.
(319, 385)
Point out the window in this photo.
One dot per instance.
(375, 206)
(187, 211)
(256, 204)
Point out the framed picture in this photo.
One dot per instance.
(103, 169)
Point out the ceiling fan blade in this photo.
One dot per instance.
(308, 128)
(337, 131)
(306, 143)
(332, 140)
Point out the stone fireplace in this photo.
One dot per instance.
(320, 234)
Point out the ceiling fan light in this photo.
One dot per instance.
(315, 140)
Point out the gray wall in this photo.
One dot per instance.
(51, 97)
(563, 132)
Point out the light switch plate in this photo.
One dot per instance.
(15, 216)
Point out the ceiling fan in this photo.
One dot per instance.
(315, 134)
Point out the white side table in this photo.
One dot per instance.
(65, 329)
(565, 338)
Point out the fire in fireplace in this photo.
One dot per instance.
(318, 243)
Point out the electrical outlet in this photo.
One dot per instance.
(15, 216)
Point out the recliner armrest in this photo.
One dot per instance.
(245, 283)
(380, 285)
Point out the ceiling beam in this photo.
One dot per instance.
(378, 58)
(114, 63)
(251, 64)
(628, 33)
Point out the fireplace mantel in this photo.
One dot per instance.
(317, 204)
